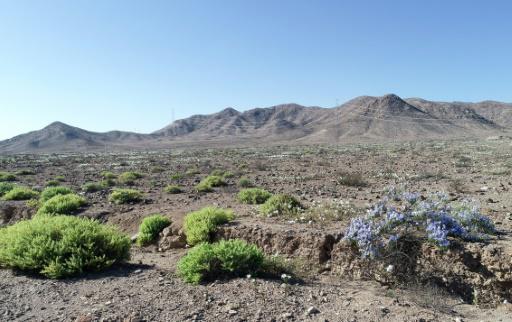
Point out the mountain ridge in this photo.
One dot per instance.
(362, 118)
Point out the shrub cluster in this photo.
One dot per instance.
(61, 246)
(122, 196)
(51, 192)
(253, 196)
(93, 186)
(150, 228)
(225, 258)
(5, 187)
(208, 183)
(66, 204)
(129, 177)
(173, 189)
(200, 225)
(20, 193)
(434, 219)
(245, 182)
(280, 205)
(6, 176)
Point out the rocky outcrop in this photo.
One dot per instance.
(13, 211)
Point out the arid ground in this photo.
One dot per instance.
(148, 289)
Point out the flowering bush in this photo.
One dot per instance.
(434, 218)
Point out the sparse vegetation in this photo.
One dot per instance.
(150, 228)
(253, 196)
(279, 205)
(227, 258)
(200, 225)
(60, 204)
(61, 246)
(173, 189)
(20, 193)
(122, 196)
(25, 172)
(354, 179)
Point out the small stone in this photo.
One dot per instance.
(232, 312)
(312, 310)
(287, 315)
(137, 271)
(459, 319)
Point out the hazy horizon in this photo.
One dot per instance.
(127, 66)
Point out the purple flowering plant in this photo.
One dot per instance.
(433, 218)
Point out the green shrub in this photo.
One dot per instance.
(52, 183)
(192, 171)
(150, 228)
(200, 225)
(61, 246)
(107, 183)
(245, 182)
(92, 187)
(25, 172)
(51, 192)
(173, 189)
(128, 178)
(62, 205)
(176, 176)
(21, 193)
(222, 173)
(253, 196)
(108, 175)
(121, 196)
(280, 205)
(226, 258)
(208, 183)
(60, 178)
(5, 187)
(6, 176)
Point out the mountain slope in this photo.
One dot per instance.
(60, 137)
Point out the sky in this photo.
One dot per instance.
(137, 65)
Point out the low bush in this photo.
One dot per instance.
(121, 196)
(52, 183)
(6, 176)
(253, 196)
(208, 183)
(61, 246)
(92, 187)
(245, 182)
(129, 177)
(150, 228)
(25, 172)
(279, 205)
(176, 176)
(5, 187)
(227, 258)
(21, 193)
(200, 225)
(173, 189)
(108, 175)
(107, 183)
(51, 192)
(60, 178)
(66, 204)
(354, 179)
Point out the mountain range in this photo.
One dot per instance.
(362, 119)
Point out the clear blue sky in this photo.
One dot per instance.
(126, 65)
